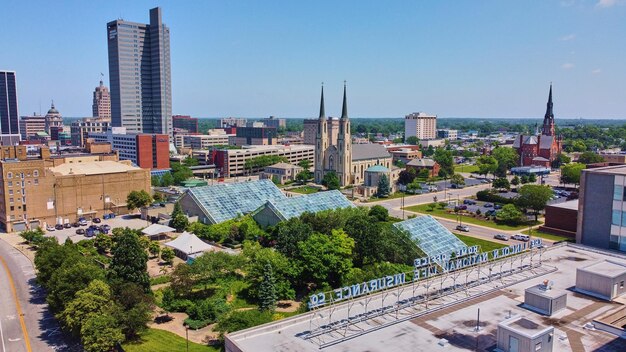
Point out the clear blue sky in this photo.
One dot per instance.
(488, 58)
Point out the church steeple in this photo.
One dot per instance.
(322, 111)
(344, 109)
(548, 119)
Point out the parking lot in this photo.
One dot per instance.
(130, 221)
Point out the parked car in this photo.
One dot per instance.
(96, 220)
(90, 233)
(80, 231)
(67, 225)
(521, 237)
(469, 202)
(50, 228)
(58, 226)
(462, 207)
(463, 228)
(106, 227)
(488, 205)
(82, 222)
(497, 206)
(454, 185)
(490, 213)
(76, 224)
(501, 236)
(432, 189)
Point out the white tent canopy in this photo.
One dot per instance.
(188, 244)
(157, 229)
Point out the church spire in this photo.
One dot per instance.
(322, 111)
(548, 119)
(344, 109)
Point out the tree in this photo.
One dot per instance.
(138, 199)
(326, 258)
(506, 157)
(305, 164)
(431, 206)
(267, 290)
(457, 179)
(303, 176)
(70, 278)
(167, 255)
(179, 222)
(100, 333)
(190, 161)
(590, 158)
(166, 180)
(515, 181)
(534, 197)
(289, 233)
(532, 178)
(379, 213)
(133, 310)
(383, 187)
(284, 272)
(103, 243)
(560, 160)
(445, 160)
(412, 140)
(93, 299)
(180, 173)
(524, 179)
(406, 176)
(331, 181)
(50, 257)
(414, 186)
(501, 183)
(509, 214)
(570, 173)
(33, 236)
(178, 210)
(154, 248)
(129, 263)
(487, 165)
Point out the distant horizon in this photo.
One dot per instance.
(396, 117)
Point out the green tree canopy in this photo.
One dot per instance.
(534, 197)
(70, 278)
(457, 179)
(383, 187)
(515, 180)
(590, 158)
(509, 214)
(289, 233)
(138, 199)
(379, 213)
(407, 176)
(326, 258)
(93, 299)
(570, 173)
(284, 271)
(267, 290)
(501, 183)
(256, 163)
(331, 181)
(100, 333)
(506, 157)
(487, 165)
(305, 164)
(560, 160)
(414, 186)
(412, 140)
(129, 262)
(445, 160)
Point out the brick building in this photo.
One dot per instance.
(148, 151)
(542, 148)
(185, 122)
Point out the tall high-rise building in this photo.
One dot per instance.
(139, 74)
(420, 125)
(8, 103)
(101, 106)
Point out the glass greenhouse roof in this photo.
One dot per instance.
(430, 236)
(288, 208)
(226, 201)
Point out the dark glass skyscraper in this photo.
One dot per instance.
(139, 74)
(9, 123)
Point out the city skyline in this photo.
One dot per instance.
(453, 59)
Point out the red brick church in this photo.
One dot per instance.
(542, 148)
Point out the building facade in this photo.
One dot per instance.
(281, 172)
(310, 130)
(80, 129)
(53, 119)
(8, 103)
(185, 122)
(542, 148)
(232, 122)
(148, 151)
(31, 125)
(448, 134)
(202, 141)
(255, 136)
(140, 76)
(275, 122)
(44, 189)
(101, 105)
(420, 125)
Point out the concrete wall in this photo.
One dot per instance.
(526, 344)
(545, 305)
(595, 210)
(593, 284)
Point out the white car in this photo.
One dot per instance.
(50, 228)
(520, 237)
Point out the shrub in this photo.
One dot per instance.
(487, 196)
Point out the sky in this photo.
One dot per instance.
(452, 58)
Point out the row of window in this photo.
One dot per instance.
(21, 174)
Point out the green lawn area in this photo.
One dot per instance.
(423, 208)
(485, 245)
(155, 340)
(548, 236)
(465, 168)
(391, 196)
(304, 190)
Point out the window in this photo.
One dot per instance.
(10, 183)
(36, 181)
(538, 346)
(621, 284)
(9, 175)
(617, 217)
(36, 173)
(11, 192)
(624, 218)
(618, 192)
(12, 208)
(10, 200)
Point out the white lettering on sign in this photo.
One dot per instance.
(356, 290)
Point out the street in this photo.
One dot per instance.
(25, 324)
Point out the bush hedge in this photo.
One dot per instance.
(488, 196)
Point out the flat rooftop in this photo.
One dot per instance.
(570, 204)
(524, 326)
(454, 321)
(608, 268)
(612, 170)
(541, 291)
(93, 168)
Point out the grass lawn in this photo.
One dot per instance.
(423, 208)
(391, 196)
(304, 190)
(465, 168)
(548, 236)
(155, 340)
(485, 245)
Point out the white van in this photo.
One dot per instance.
(521, 237)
